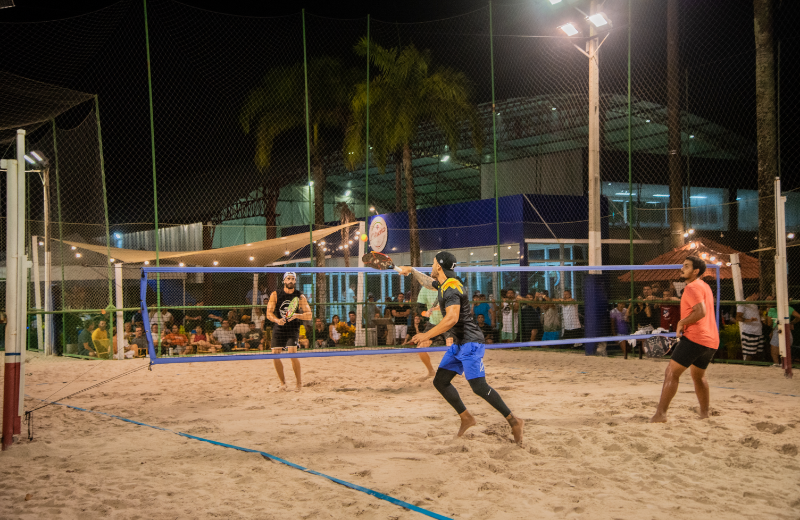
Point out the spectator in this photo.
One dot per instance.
(670, 314)
(262, 296)
(128, 352)
(481, 306)
(258, 318)
(139, 342)
(333, 333)
(242, 329)
(429, 298)
(387, 309)
(303, 340)
(551, 319)
(85, 342)
(571, 320)
(351, 321)
(488, 331)
(510, 312)
(100, 339)
(620, 326)
(233, 318)
(370, 309)
(419, 325)
(321, 333)
(749, 320)
(161, 318)
(772, 316)
(194, 317)
(400, 314)
(383, 331)
(155, 335)
(350, 294)
(641, 313)
(254, 339)
(530, 319)
(225, 337)
(651, 316)
(201, 343)
(177, 342)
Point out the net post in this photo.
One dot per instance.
(105, 212)
(11, 365)
(308, 146)
(22, 295)
(119, 305)
(60, 242)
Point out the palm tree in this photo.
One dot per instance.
(278, 106)
(406, 93)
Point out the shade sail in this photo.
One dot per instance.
(263, 252)
(748, 264)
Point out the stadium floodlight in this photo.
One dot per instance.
(36, 156)
(569, 29)
(30, 161)
(599, 19)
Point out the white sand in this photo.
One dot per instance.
(589, 450)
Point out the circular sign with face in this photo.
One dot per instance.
(378, 234)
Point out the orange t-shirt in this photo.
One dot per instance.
(704, 331)
(176, 339)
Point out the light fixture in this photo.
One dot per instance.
(728, 264)
(347, 193)
(322, 243)
(215, 262)
(147, 262)
(646, 120)
(315, 241)
(311, 183)
(372, 208)
(252, 258)
(36, 156)
(691, 136)
(569, 29)
(118, 235)
(509, 247)
(181, 264)
(698, 197)
(719, 263)
(41, 243)
(495, 254)
(324, 248)
(704, 256)
(554, 2)
(692, 245)
(77, 255)
(350, 242)
(340, 247)
(517, 252)
(790, 236)
(553, 108)
(445, 158)
(623, 193)
(660, 195)
(30, 161)
(471, 254)
(111, 260)
(74, 248)
(287, 253)
(691, 231)
(685, 235)
(713, 258)
(598, 20)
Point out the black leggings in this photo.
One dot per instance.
(479, 386)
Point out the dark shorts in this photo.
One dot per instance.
(227, 347)
(285, 338)
(688, 353)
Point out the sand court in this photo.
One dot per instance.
(589, 450)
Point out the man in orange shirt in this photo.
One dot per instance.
(699, 339)
(177, 341)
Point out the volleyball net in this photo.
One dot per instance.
(191, 314)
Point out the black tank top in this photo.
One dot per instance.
(283, 301)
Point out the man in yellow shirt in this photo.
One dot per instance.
(100, 339)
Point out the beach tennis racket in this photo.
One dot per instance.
(378, 261)
(292, 308)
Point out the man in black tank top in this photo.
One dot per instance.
(285, 331)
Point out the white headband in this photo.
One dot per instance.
(289, 274)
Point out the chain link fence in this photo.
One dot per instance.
(470, 133)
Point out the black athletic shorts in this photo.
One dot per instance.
(285, 338)
(688, 353)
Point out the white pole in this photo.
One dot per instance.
(361, 337)
(736, 272)
(781, 283)
(11, 365)
(37, 290)
(119, 304)
(22, 295)
(255, 295)
(595, 250)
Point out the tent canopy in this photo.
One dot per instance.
(721, 253)
(263, 252)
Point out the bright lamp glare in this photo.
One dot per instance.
(598, 20)
(347, 193)
(147, 262)
(36, 156)
(445, 158)
(216, 262)
(30, 161)
(554, 2)
(790, 236)
(569, 29)
(372, 208)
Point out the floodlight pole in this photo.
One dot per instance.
(11, 365)
(48, 260)
(592, 48)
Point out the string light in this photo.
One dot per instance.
(181, 264)
(252, 258)
(77, 255)
(215, 262)
(147, 262)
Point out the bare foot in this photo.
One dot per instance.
(658, 418)
(467, 421)
(282, 388)
(704, 415)
(517, 427)
(298, 387)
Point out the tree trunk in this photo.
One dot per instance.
(398, 186)
(413, 230)
(319, 223)
(767, 142)
(675, 214)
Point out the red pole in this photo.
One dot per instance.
(11, 421)
(787, 360)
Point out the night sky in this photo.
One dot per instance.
(204, 64)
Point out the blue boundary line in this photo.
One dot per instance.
(350, 485)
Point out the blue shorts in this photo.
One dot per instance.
(549, 336)
(465, 359)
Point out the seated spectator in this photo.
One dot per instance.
(488, 331)
(551, 319)
(254, 339)
(670, 314)
(241, 329)
(155, 335)
(85, 343)
(128, 351)
(200, 341)
(176, 341)
(620, 325)
(321, 333)
(100, 339)
(303, 341)
(139, 343)
(233, 318)
(258, 317)
(224, 337)
(194, 318)
(333, 334)
(351, 319)
(571, 320)
(161, 319)
(419, 325)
